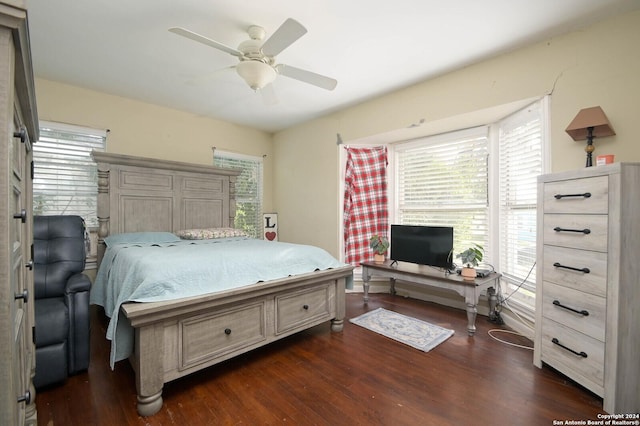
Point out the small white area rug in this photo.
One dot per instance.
(410, 331)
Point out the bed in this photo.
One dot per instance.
(172, 337)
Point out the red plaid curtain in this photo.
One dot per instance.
(365, 201)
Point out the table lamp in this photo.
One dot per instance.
(588, 124)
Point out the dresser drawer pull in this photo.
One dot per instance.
(561, 196)
(26, 398)
(584, 231)
(22, 216)
(555, 341)
(227, 331)
(22, 134)
(585, 270)
(24, 296)
(560, 305)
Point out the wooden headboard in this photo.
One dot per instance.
(137, 194)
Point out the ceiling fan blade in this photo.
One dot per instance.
(290, 31)
(307, 76)
(204, 40)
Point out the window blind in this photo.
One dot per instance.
(248, 190)
(65, 175)
(520, 163)
(443, 181)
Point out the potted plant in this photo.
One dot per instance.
(470, 258)
(379, 244)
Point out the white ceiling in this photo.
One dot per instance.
(371, 47)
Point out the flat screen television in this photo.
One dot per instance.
(424, 245)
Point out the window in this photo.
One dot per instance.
(483, 182)
(248, 190)
(520, 163)
(442, 181)
(65, 175)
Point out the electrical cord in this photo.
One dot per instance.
(493, 269)
(520, 318)
(502, 301)
(521, 282)
(495, 316)
(495, 330)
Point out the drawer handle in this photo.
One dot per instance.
(25, 398)
(22, 216)
(227, 331)
(561, 196)
(560, 305)
(22, 134)
(585, 231)
(557, 342)
(585, 270)
(24, 296)
(305, 307)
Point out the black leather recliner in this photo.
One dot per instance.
(61, 298)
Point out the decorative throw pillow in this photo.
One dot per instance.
(210, 233)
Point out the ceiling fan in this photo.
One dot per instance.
(257, 64)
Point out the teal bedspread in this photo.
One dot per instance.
(159, 272)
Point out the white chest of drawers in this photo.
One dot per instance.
(588, 280)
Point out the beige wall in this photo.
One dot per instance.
(599, 65)
(138, 128)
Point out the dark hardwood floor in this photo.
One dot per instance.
(355, 377)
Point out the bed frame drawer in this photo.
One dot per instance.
(212, 335)
(296, 310)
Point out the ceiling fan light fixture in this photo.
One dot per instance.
(257, 64)
(256, 74)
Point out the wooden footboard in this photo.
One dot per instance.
(180, 337)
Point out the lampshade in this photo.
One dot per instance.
(590, 117)
(257, 74)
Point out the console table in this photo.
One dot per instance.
(426, 275)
